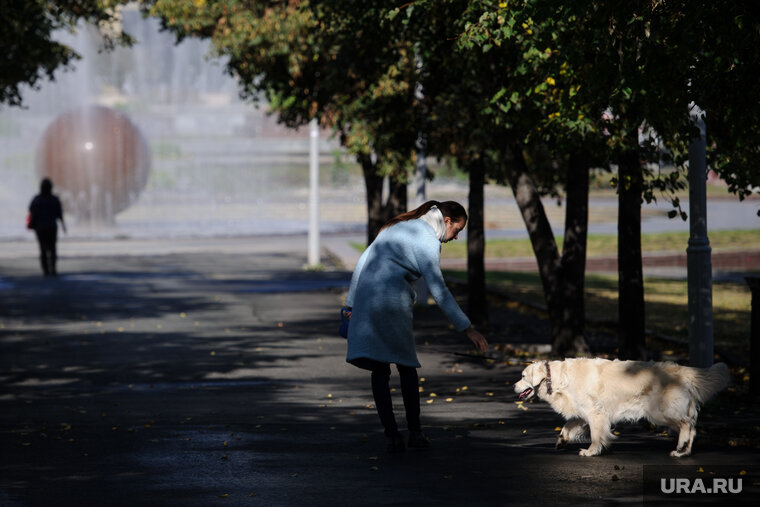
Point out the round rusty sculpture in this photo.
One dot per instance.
(97, 159)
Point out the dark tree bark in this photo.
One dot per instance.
(548, 259)
(476, 273)
(631, 318)
(379, 212)
(570, 337)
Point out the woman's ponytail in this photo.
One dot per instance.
(451, 209)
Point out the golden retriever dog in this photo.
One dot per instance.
(594, 394)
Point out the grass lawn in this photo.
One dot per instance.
(606, 244)
(665, 299)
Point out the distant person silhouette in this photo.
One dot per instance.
(44, 213)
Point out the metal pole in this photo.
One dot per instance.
(313, 255)
(420, 179)
(754, 336)
(698, 254)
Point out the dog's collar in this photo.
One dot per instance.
(548, 378)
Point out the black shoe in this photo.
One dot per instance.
(396, 444)
(418, 440)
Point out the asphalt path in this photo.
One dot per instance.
(164, 374)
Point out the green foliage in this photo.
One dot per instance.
(336, 61)
(596, 74)
(29, 51)
(605, 77)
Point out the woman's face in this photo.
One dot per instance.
(453, 228)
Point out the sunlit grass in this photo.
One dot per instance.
(666, 300)
(666, 303)
(606, 244)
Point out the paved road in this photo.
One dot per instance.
(162, 374)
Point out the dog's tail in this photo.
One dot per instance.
(706, 382)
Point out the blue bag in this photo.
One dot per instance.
(343, 329)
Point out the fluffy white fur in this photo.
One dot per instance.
(594, 394)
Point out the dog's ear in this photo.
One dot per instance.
(531, 373)
(537, 374)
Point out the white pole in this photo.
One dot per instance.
(313, 255)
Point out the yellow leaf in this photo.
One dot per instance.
(449, 400)
(183, 315)
(224, 495)
(429, 401)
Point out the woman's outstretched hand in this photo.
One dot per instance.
(478, 339)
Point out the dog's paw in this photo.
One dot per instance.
(588, 452)
(678, 454)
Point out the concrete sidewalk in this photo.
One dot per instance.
(167, 374)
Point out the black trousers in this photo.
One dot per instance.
(410, 391)
(47, 238)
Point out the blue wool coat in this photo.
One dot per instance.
(382, 296)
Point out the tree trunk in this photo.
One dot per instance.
(631, 337)
(374, 186)
(476, 273)
(562, 279)
(379, 212)
(397, 200)
(540, 233)
(570, 338)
